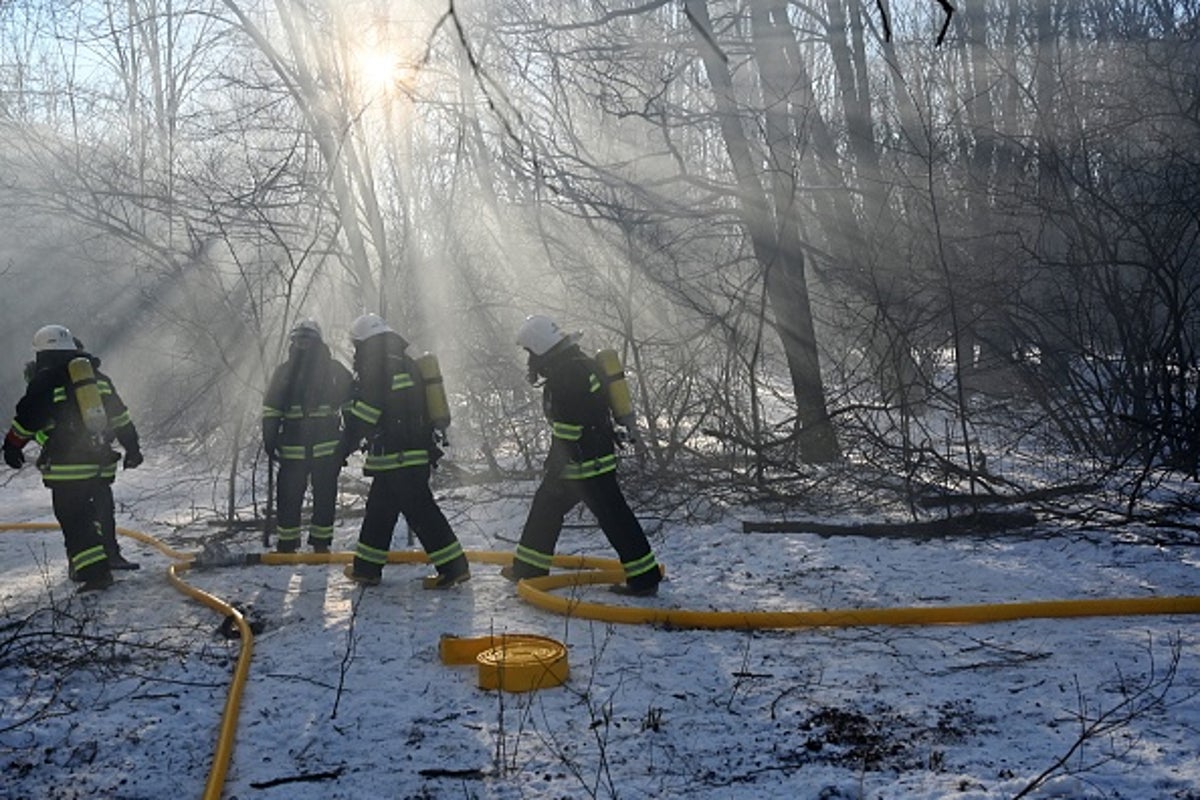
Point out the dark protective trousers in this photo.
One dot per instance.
(106, 517)
(405, 491)
(602, 495)
(293, 480)
(75, 509)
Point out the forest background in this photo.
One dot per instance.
(829, 233)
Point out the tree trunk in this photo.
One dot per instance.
(774, 236)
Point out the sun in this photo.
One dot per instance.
(380, 70)
(377, 69)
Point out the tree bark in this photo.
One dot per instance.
(774, 235)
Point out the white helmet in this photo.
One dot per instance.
(53, 337)
(539, 334)
(368, 325)
(306, 328)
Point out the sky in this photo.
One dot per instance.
(347, 697)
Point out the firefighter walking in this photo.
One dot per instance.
(74, 411)
(301, 428)
(581, 465)
(391, 413)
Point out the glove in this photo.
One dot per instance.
(14, 456)
(270, 438)
(133, 458)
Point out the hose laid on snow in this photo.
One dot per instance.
(588, 570)
(536, 591)
(233, 700)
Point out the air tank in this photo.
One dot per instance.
(87, 395)
(613, 375)
(435, 391)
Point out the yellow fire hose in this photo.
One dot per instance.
(536, 591)
(587, 570)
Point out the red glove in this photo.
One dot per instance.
(14, 453)
(13, 457)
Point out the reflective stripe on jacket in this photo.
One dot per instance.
(304, 402)
(388, 410)
(583, 443)
(49, 414)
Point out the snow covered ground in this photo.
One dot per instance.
(347, 697)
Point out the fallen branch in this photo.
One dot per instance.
(978, 523)
(305, 777)
(1033, 496)
(348, 655)
(452, 773)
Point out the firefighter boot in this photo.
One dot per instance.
(645, 585)
(361, 579)
(94, 578)
(97, 584)
(518, 570)
(456, 572)
(120, 562)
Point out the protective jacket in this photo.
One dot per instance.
(583, 443)
(388, 410)
(48, 412)
(303, 405)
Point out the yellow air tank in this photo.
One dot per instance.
(87, 395)
(435, 391)
(613, 375)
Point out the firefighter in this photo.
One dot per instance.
(301, 428)
(390, 413)
(77, 412)
(106, 508)
(581, 465)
